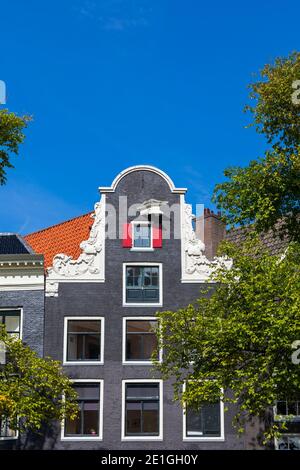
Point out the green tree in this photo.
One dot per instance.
(266, 193)
(11, 136)
(33, 391)
(239, 336)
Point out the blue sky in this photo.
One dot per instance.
(114, 83)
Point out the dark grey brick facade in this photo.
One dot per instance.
(106, 300)
(32, 304)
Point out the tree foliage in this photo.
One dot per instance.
(11, 136)
(239, 336)
(268, 189)
(33, 391)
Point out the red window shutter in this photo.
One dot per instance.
(127, 237)
(157, 236)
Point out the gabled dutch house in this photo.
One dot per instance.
(108, 272)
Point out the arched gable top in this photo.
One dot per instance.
(131, 169)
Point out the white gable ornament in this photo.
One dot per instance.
(89, 266)
(195, 265)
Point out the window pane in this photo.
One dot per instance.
(133, 347)
(151, 295)
(287, 442)
(147, 277)
(5, 430)
(149, 345)
(87, 421)
(140, 325)
(92, 347)
(282, 407)
(146, 391)
(12, 323)
(87, 391)
(142, 236)
(134, 295)
(84, 326)
(73, 427)
(82, 344)
(150, 419)
(75, 347)
(91, 418)
(211, 419)
(292, 408)
(194, 423)
(204, 422)
(142, 285)
(133, 418)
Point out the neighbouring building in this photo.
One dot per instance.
(21, 302)
(107, 274)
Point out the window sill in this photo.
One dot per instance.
(287, 418)
(141, 249)
(13, 438)
(83, 363)
(138, 363)
(142, 438)
(204, 439)
(95, 438)
(143, 304)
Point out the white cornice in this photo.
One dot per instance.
(131, 169)
(16, 286)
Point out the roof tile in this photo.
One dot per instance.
(61, 238)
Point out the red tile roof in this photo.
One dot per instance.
(61, 238)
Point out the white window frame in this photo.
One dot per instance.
(143, 304)
(123, 427)
(3, 309)
(288, 434)
(10, 438)
(204, 438)
(288, 418)
(87, 438)
(136, 363)
(20, 309)
(65, 345)
(140, 248)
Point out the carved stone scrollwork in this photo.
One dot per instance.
(90, 264)
(51, 288)
(196, 267)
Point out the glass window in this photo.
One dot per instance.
(288, 442)
(141, 339)
(142, 409)
(11, 320)
(84, 340)
(5, 430)
(288, 407)
(142, 284)
(142, 235)
(87, 421)
(204, 422)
